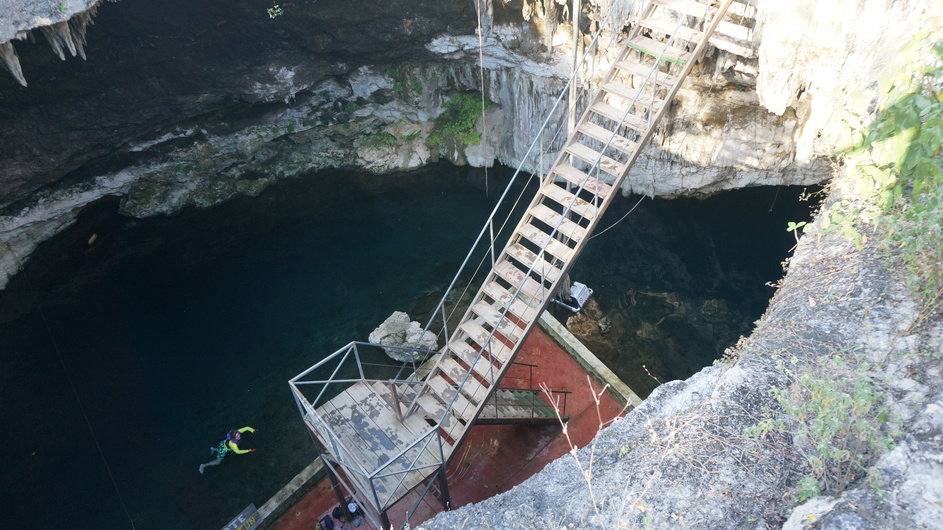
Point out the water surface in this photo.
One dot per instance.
(166, 332)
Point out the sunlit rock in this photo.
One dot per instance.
(398, 330)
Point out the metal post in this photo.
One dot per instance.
(444, 489)
(385, 521)
(396, 406)
(336, 486)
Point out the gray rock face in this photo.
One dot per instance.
(683, 459)
(236, 100)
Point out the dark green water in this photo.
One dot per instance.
(173, 330)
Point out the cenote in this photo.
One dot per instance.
(160, 334)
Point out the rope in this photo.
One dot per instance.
(75, 393)
(481, 83)
(597, 234)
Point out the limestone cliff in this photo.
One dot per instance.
(686, 458)
(321, 86)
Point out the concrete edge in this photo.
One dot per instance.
(290, 493)
(273, 508)
(587, 360)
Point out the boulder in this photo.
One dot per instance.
(398, 330)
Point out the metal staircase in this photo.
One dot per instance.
(390, 435)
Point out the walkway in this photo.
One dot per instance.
(495, 458)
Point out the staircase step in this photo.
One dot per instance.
(434, 409)
(553, 219)
(636, 68)
(524, 404)
(471, 388)
(515, 276)
(479, 335)
(569, 200)
(543, 240)
(743, 9)
(689, 7)
(575, 176)
(729, 30)
(521, 307)
(602, 134)
(672, 28)
(468, 353)
(591, 156)
(643, 101)
(462, 408)
(620, 116)
(732, 47)
(659, 49)
(539, 264)
(493, 317)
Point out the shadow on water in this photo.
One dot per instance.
(173, 330)
(677, 282)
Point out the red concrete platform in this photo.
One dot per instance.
(495, 458)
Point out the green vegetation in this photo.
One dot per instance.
(837, 421)
(275, 11)
(456, 124)
(379, 140)
(894, 161)
(399, 79)
(62, 7)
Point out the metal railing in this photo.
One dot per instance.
(323, 381)
(548, 142)
(524, 404)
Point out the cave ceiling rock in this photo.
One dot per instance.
(810, 49)
(364, 82)
(496, 56)
(62, 23)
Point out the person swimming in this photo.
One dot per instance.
(229, 445)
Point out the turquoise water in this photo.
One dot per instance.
(173, 330)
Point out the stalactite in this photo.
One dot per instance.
(78, 25)
(60, 38)
(11, 61)
(66, 35)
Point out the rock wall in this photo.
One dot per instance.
(321, 86)
(685, 458)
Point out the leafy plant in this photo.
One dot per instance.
(837, 422)
(396, 74)
(456, 124)
(379, 140)
(794, 227)
(275, 11)
(62, 7)
(896, 162)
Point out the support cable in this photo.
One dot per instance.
(481, 83)
(597, 234)
(75, 393)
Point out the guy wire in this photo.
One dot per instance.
(75, 393)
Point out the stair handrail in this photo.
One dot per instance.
(490, 220)
(694, 56)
